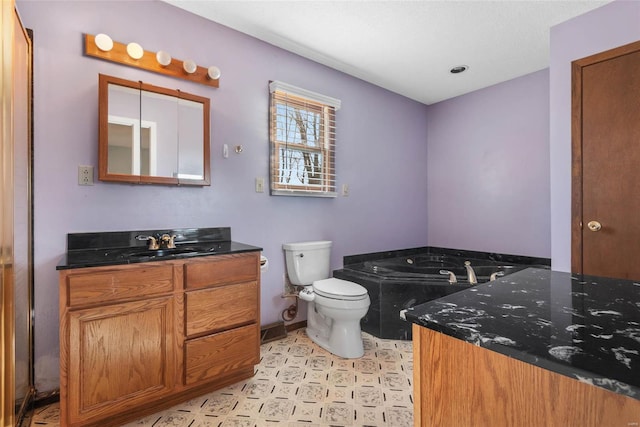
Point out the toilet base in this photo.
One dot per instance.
(345, 339)
(334, 324)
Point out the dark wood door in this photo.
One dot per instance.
(606, 164)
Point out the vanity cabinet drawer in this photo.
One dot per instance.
(222, 269)
(221, 307)
(223, 353)
(93, 287)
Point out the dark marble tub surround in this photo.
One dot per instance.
(388, 296)
(123, 247)
(584, 327)
(396, 280)
(492, 257)
(356, 259)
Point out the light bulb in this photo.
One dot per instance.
(104, 42)
(189, 66)
(163, 58)
(213, 72)
(135, 51)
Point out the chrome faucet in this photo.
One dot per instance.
(471, 275)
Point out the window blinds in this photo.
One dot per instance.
(302, 136)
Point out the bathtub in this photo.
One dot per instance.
(401, 279)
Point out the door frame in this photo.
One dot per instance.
(576, 145)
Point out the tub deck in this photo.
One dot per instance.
(398, 280)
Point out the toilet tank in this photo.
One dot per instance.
(307, 261)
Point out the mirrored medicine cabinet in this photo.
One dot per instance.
(152, 135)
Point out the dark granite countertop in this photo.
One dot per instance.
(584, 327)
(122, 247)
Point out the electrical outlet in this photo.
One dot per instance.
(259, 185)
(85, 175)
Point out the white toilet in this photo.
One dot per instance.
(335, 306)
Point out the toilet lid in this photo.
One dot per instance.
(338, 288)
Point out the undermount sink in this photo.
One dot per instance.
(152, 253)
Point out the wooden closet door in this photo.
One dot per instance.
(606, 164)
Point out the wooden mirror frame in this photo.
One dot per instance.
(103, 137)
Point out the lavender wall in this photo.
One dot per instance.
(607, 27)
(488, 169)
(381, 150)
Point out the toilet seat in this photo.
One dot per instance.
(339, 289)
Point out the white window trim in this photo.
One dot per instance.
(314, 96)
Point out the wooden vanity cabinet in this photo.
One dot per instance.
(456, 383)
(137, 338)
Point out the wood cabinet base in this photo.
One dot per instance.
(457, 383)
(160, 404)
(139, 338)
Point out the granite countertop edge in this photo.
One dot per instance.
(412, 315)
(235, 248)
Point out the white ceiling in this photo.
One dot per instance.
(407, 47)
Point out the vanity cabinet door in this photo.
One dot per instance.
(120, 357)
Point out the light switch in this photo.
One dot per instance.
(259, 185)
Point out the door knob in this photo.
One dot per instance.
(594, 225)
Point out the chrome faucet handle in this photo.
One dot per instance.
(452, 276)
(495, 275)
(152, 242)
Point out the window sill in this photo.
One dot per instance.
(298, 193)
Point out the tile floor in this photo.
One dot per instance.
(298, 384)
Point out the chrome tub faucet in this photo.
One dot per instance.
(471, 275)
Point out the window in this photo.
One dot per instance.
(302, 135)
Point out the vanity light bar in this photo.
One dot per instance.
(149, 61)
